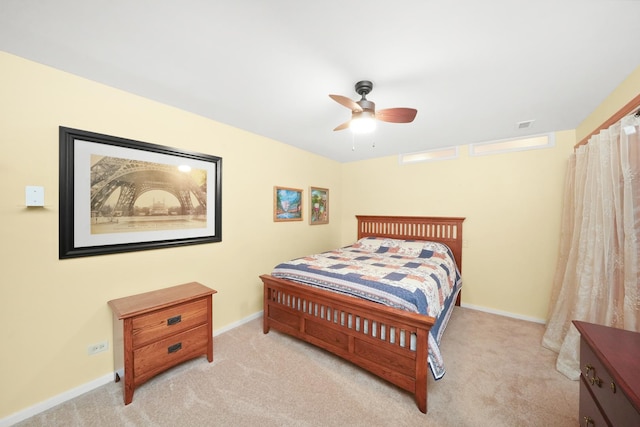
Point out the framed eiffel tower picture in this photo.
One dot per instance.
(121, 195)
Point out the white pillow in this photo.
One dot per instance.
(408, 248)
(369, 244)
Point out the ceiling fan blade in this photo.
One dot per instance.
(343, 126)
(347, 102)
(397, 115)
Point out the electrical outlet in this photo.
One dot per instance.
(98, 348)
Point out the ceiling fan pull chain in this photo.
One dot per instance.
(353, 142)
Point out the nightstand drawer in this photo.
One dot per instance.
(159, 324)
(158, 356)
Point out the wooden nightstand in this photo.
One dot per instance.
(156, 330)
(610, 376)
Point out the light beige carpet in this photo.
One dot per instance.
(498, 374)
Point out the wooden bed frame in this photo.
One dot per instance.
(368, 334)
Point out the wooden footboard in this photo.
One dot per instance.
(372, 336)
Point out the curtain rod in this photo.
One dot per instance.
(624, 111)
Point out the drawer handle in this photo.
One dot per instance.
(174, 348)
(588, 421)
(174, 320)
(596, 381)
(613, 387)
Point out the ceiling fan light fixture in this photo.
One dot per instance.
(363, 112)
(363, 122)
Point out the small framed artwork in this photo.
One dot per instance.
(319, 209)
(287, 204)
(120, 195)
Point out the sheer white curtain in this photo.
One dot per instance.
(597, 277)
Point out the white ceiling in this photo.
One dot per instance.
(473, 70)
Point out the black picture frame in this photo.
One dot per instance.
(99, 170)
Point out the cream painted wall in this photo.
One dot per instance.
(512, 204)
(51, 309)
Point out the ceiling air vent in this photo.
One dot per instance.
(526, 124)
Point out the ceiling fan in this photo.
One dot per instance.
(364, 114)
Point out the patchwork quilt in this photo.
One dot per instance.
(411, 275)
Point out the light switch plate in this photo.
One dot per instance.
(34, 196)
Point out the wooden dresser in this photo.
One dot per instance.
(156, 330)
(610, 376)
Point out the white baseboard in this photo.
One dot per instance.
(503, 313)
(85, 388)
(238, 323)
(56, 400)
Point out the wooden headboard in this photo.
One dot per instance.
(447, 230)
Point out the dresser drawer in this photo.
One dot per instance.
(158, 356)
(613, 402)
(159, 324)
(589, 415)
